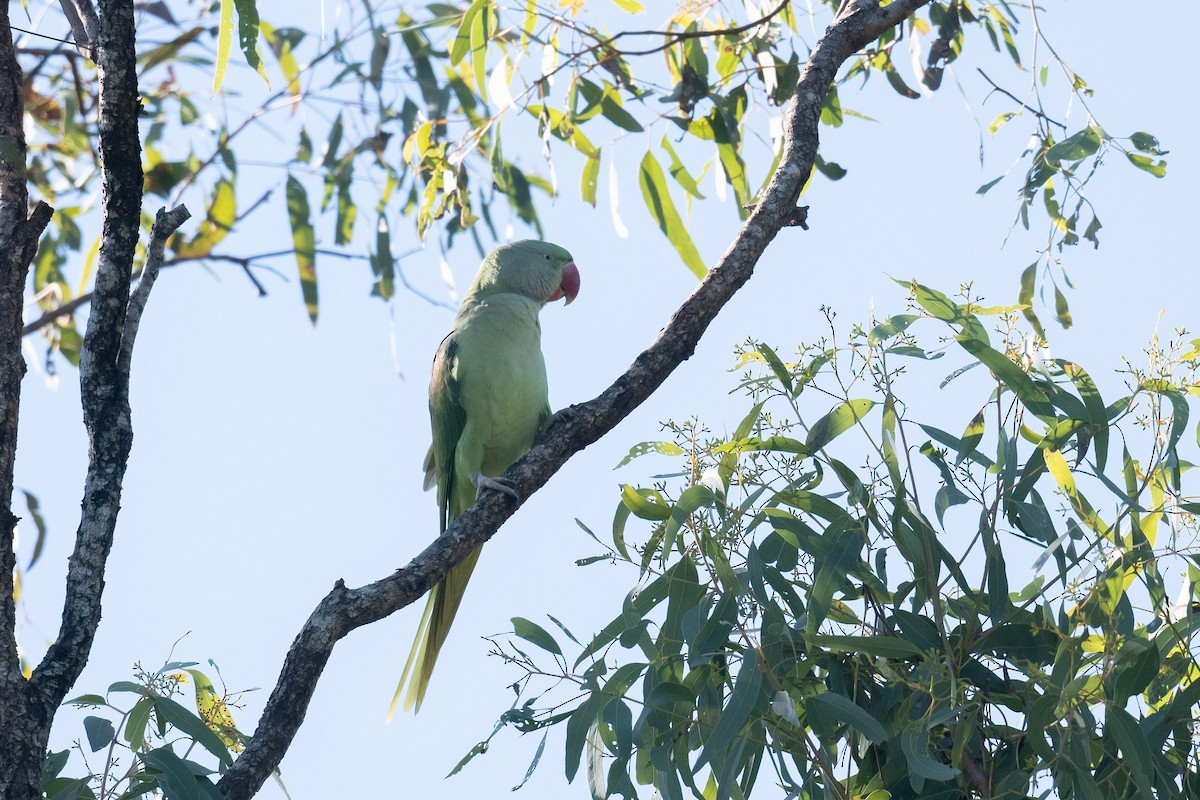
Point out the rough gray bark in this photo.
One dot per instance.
(343, 609)
(24, 727)
(27, 707)
(103, 382)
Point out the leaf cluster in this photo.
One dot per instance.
(398, 112)
(870, 606)
(146, 743)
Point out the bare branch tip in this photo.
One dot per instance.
(41, 214)
(797, 217)
(167, 222)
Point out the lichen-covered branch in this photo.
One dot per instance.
(19, 234)
(103, 372)
(104, 390)
(343, 609)
(106, 385)
(24, 729)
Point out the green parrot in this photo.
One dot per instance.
(487, 402)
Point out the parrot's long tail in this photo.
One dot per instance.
(440, 609)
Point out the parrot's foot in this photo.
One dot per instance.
(565, 415)
(496, 484)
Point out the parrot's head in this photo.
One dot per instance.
(539, 270)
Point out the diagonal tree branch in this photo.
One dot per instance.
(343, 609)
(165, 224)
(85, 24)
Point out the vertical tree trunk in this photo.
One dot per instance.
(24, 736)
(24, 717)
(27, 706)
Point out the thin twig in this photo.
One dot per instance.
(255, 205)
(267, 105)
(262, 290)
(61, 311)
(46, 52)
(399, 269)
(246, 263)
(1036, 111)
(675, 36)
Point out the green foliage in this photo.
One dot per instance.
(748, 646)
(974, 615)
(662, 209)
(304, 242)
(418, 97)
(148, 742)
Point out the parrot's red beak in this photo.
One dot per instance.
(569, 288)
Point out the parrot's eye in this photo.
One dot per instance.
(547, 256)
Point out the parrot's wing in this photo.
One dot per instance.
(449, 418)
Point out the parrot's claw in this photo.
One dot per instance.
(566, 415)
(496, 484)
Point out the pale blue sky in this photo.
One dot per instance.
(271, 458)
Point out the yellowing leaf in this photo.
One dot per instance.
(662, 208)
(1058, 468)
(224, 36)
(282, 48)
(1000, 120)
(89, 264)
(304, 242)
(222, 211)
(212, 707)
(531, 19)
(845, 416)
(1057, 465)
(588, 179)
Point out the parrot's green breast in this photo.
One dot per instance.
(501, 378)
